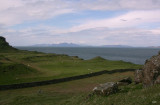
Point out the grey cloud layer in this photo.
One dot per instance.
(120, 4)
(97, 36)
(18, 11)
(115, 29)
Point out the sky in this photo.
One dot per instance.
(84, 22)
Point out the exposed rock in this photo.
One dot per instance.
(106, 89)
(3, 42)
(138, 76)
(4, 46)
(157, 81)
(125, 81)
(151, 71)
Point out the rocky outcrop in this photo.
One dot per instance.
(125, 81)
(3, 42)
(138, 76)
(151, 71)
(106, 89)
(4, 46)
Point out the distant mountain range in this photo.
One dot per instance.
(154, 46)
(118, 46)
(77, 45)
(57, 45)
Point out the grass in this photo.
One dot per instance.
(56, 94)
(76, 93)
(24, 66)
(11, 72)
(132, 96)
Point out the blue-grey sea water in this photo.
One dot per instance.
(134, 55)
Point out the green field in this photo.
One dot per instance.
(76, 93)
(24, 66)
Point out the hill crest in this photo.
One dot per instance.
(4, 45)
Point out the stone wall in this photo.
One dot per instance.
(54, 81)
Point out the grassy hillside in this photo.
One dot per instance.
(34, 66)
(129, 95)
(18, 66)
(23, 66)
(76, 93)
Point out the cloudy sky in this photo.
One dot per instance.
(91, 22)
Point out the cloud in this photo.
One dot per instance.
(119, 4)
(6, 4)
(121, 36)
(110, 31)
(127, 28)
(19, 11)
(156, 31)
(95, 36)
(130, 19)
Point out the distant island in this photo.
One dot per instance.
(154, 46)
(83, 45)
(118, 46)
(57, 45)
(78, 45)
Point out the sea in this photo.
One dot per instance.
(133, 55)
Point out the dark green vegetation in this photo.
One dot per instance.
(32, 66)
(77, 93)
(5, 47)
(24, 66)
(129, 95)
